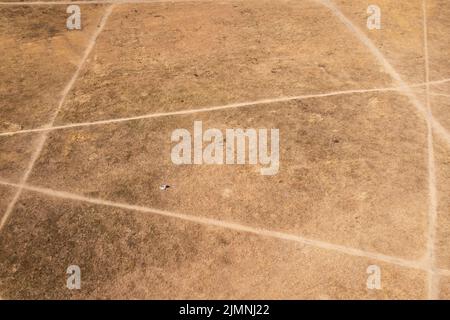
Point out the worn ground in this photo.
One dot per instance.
(364, 179)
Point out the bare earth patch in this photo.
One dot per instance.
(128, 255)
(366, 190)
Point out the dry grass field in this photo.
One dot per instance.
(86, 118)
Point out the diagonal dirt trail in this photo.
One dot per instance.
(432, 123)
(44, 135)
